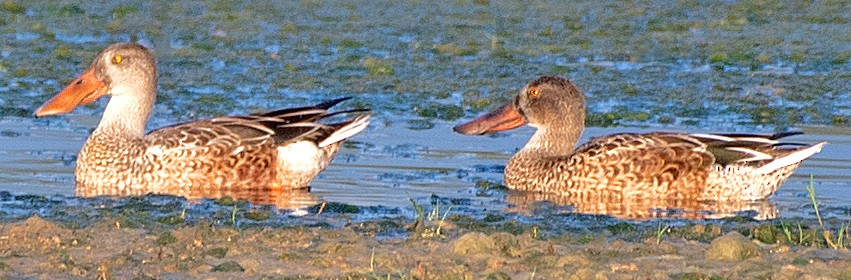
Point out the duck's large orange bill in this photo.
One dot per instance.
(85, 89)
(503, 118)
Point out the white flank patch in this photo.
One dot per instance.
(299, 155)
(237, 150)
(347, 131)
(790, 159)
(154, 150)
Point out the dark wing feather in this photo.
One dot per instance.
(304, 113)
(744, 148)
(303, 131)
(754, 135)
(285, 125)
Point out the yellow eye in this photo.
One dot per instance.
(534, 92)
(117, 59)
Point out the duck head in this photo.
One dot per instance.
(120, 69)
(548, 103)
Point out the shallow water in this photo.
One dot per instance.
(722, 67)
(389, 164)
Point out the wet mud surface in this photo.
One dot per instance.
(156, 237)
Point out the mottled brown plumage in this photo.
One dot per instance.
(631, 166)
(284, 149)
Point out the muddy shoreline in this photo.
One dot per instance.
(154, 237)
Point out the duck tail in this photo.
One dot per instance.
(791, 158)
(347, 130)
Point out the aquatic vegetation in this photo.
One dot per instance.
(377, 67)
(166, 238)
(453, 49)
(121, 11)
(440, 111)
(172, 220)
(350, 43)
(257, 215)
(660, 231)
(428, 225)
(12, 7)
(828, 239)
(229, 266)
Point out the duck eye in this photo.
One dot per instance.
(117, 59)
(534, 92)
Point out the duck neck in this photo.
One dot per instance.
(127, 112)
(533, 168)
(553, 141)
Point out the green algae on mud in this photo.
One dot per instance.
(652, 51)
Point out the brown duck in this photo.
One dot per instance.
(283, 149)
(631, 166)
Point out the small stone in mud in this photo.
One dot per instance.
(732, 246)
(32, 226)
(507, 244)
(766, 233)
(257, 215)
(499, 275)
(420, 124)
(171, 220)
(800, 261)
(334, 207)
(225, 201)
(217, 252)
(230, 266)
(474, 243)
(490, 218)
(574, 261)
(621, 228)
(166, 238)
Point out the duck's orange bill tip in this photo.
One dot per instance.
(503, 118)
(85, 89)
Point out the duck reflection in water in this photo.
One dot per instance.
(528, 203)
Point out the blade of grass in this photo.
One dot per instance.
(372, 261)
(811, 189)
(233, 216)
(787, 232)
(660, 231)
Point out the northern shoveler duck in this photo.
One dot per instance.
(283, 149)
(633, 166)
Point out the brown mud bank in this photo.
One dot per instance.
(156, 237)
